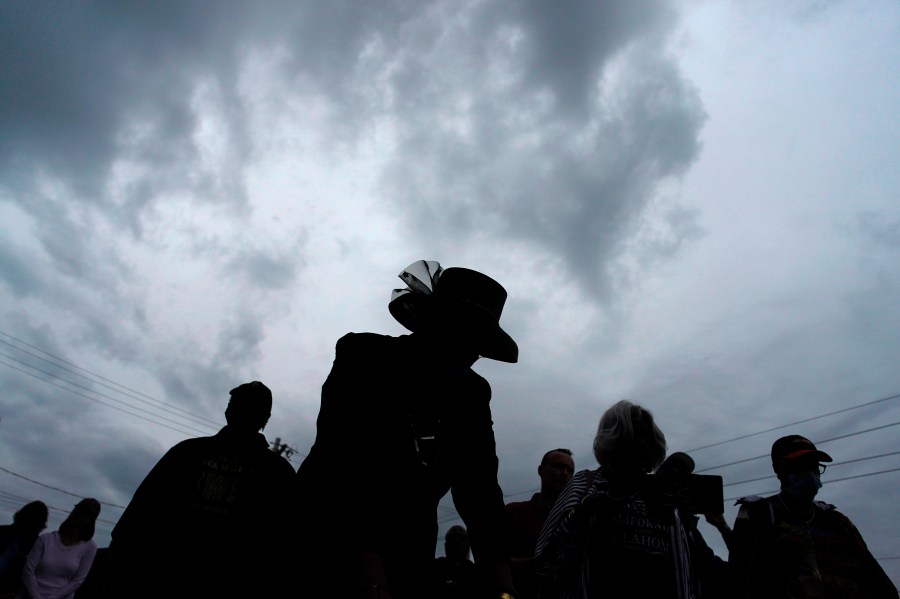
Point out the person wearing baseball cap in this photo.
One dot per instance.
(404, 420)
(790, 545)
(207, 520)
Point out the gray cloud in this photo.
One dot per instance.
(576, 174)
(104, 101)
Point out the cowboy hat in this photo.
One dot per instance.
(459, 296)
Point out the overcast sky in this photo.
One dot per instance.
(692, 205)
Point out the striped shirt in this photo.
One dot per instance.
(563, 560)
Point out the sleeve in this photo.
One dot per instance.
(353, 427)
(148, 504)
(557, 544)
(878, 582)
(84, 567)
(476, 491)
(29, 576)
(746, 547)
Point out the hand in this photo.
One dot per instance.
(375, 591)
(717, 520)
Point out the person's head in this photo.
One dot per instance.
(677, 463)
(458, 308)
(456, 543)
(31, 519)
(250, 407)
(81, 520)
(556, 470)
(798, 464)
(628, 441)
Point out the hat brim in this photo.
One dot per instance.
(805, 453)
(414, 311)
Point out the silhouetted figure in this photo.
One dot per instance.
(790, 545)
(455, 572)
(95, 585)
(60, 560)
(403, 420)
(710, 572)
(209, 519)
(16, 540)
(526, 518)
(605, 537)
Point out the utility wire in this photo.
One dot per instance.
(830, 466)
(101, 377)
(833, 480)
(37, 482)
(821, 441)
(94, 399)
(775, 428)
(109, 397)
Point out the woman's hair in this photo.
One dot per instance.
(81, 521)
(32, 516)
(628, 441)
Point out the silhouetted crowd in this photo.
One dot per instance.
(403, 421)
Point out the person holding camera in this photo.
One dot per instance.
(609, 534)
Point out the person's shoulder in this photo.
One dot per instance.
(588, 474)
(363, 342)
(277, 463)
(478, 383)
(189, 445)
(515, 507)
(750, 499)
(755, 508)
(833, 514)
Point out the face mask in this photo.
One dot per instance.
(802, 486)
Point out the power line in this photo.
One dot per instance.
(830, 466)
(90, 390)
(37, 482)
(94, 399)
(821, 441)
(830, 481)
(120, 386)
(779, 427)
(507, 495)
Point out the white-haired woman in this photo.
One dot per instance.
(607, 535)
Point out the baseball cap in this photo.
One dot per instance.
(793, 447)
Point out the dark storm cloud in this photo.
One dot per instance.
(79, 77)
(560, 135)
(267, 269)
(555, 151)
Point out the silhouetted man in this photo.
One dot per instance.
(208, 520)
(403, 421)
(526, 518)
(455, 572)
(789, 545)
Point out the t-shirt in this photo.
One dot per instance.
(54, 570)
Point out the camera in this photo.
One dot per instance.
(690, 493)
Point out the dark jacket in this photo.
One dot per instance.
(209, 517)
(774, 555)
(372, 480)
(14, 548)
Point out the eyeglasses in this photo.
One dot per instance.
(801, 467)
